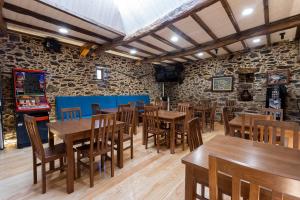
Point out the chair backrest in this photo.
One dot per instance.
(102, 127)
(157, 101)
(183, 107)
(205, 103)
(248, 120)
(189, 115)
(276, 113)
(132, 104)
(96, 109)
(127, 115)
(194, 134)
(279, 185)
(230, 103)
(70, 113)
(226, 120)
(34, 136)
(269, 131)
(120, 106)
(213, 111)
(151, 117)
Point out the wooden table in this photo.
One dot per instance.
(74, 130)
(264, 157)
(172, 117)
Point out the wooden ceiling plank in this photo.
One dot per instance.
(194, 56)
(92, 23)
(163, 24)
(56, 22)
(211, 54)
(147, 44)
(163, 40)
(230, 14)
(272, 27)
(47, 30)
(203, 25)
(127, 53)
(139, 49)
(188, 59)
(3, 26)
(178, 32)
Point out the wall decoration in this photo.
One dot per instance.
(278, 77)
(222, 83)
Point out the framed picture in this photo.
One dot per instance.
(222, 83)
(278, 77)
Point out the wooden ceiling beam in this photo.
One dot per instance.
(178, 32)
(139, 49)
(127, 53)
(163, 40)
(267, 19)
(147, 44)
(48, 31)
(272, 27)
(56, 22)
(3, 26)
(188, 59)
(297, 37)
(162, 22)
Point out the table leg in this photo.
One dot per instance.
(203, 119)
(172, 137)
(190, 184)
(70, 165)
(51, 144)
(144, 131)
(120, 148)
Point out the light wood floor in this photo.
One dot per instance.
(148, 176)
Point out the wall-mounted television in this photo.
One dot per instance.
(169, 73)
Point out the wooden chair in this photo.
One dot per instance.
(269, 131)
(194, 133)
(102, 128)
(274, 112)
(182, 129)
(96, 109)
(120, 106)
(70, 113)
(225, 114)
(45, 155)
(247, 133)
(152, 126)
(211, 118)
(230, 103)
(127, 115)
(280, 186)
(183, 107)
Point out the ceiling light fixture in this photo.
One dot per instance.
(257, 40)
(133, 51)
(63, 30)
(200, 54)
(174, 38)
(247, 11)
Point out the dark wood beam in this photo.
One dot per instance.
(139, 49)
(56, 22)
(272, 27)
(211, 54)
(203, 25)
(188, 59)
(92, 23)
(163, 22)
(178, 32)
(3, 27)
(47, 30)
(163, 40)
(147, 44)
(267, 19)
(297, 37)
(197, 58)
(127, 53)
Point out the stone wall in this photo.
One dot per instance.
(68, 74)
(197, 83)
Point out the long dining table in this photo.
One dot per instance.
(260, 156)
(171, 117)
(75, 130)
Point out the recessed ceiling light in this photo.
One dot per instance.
(63, 30)
(133, 51)
(247, 11)
(257, 40)
(200, 54)
(174, 38)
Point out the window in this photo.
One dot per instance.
(99, 73)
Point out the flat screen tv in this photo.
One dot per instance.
(173, 73)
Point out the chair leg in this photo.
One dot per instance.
(131, 147)
(157, 142)
(202, 191)
(61, 164)
(34, 169)
(43, 178)
(112, 163)
(146, 141)
(182, 140)
(91, 172)
(78, 165)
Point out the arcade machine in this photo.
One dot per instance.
(275, 98)
(30, 98)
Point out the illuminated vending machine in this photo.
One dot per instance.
(276, 97)
(31, 99)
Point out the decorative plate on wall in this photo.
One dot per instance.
(222, 83)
